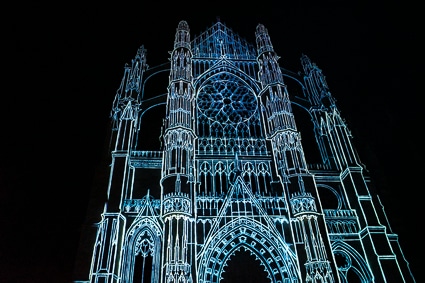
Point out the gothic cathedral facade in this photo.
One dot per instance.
(228, 173)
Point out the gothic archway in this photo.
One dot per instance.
(352, 267)
(244, 260)
(278, 260)
(142, 255)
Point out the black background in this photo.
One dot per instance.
(64, 62)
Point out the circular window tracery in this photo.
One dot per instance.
(227, 101)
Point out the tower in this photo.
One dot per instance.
(230, 177)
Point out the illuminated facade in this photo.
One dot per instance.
(222, 155)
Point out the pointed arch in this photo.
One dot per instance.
(329, 197)
(278, 259)
(143, 239)
(351, 263)
(231, 69)
(150, 125)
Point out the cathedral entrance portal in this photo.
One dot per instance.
(248, 237)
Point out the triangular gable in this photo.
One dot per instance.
(219, 40)
(146, 217)
(146, 207)
(128, 112)
(241, 193)
(223, 63)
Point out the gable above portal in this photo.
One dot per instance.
(219, 41)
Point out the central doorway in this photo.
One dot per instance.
(242, 267)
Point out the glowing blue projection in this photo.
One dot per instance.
(228, 181)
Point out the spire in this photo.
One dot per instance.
(270, 72)
(264, 43)
(317, 87)
(238, 169)
(182, 38)
(131, 83)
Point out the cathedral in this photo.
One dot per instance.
(224, 166)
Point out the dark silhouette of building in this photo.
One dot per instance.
(225, 167)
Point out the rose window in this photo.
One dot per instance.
(227, 102)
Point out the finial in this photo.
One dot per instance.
(237, 169)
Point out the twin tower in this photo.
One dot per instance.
(226, 167)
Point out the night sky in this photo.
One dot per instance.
(65, 64)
